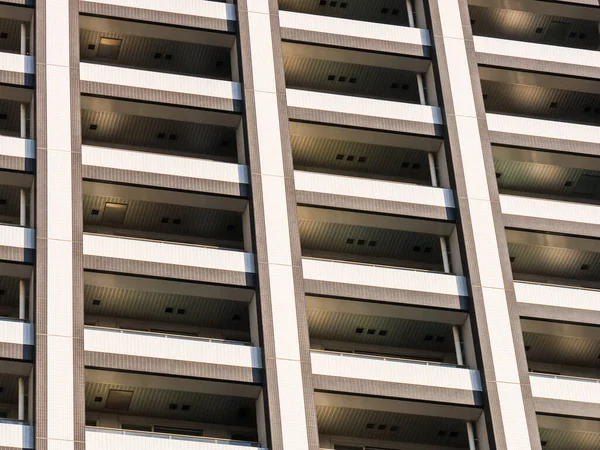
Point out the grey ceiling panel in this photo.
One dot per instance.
(402, 245)
(148, 402)
(569, 440)
(10, 36)
(382, 11)
(12, 196)
(149, 216)
(542, 103)
(570, 351)
(150, 306)
(382, 161)
(554, 262)
(159, 55)
(357, 80)
(336, 326)
(114, 130)
(537, 28)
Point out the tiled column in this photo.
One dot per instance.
(510, 413)
(59, 377)
(290, 407)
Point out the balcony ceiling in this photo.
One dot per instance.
(338, 326)
(148, 402)
(528, 177)
(12, 195)
(150, 306)
(540, 102)
(569, 440)
(393, 244)
(12, 42)
(371, 11)
(10, 391)
(10, 287)
(370, 81)
(566, 350)
(139, 52)
(530, 27)
(380, 161)
(148, 216)
(191, 139)
(412, 428)
(554, 262)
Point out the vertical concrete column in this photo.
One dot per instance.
(289, 408)
(23, 38)
(21, 402)
(23, 208)
(22, 299)
(509, 409)
(59, 379)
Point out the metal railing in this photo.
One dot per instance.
(151, 434)
(390, 358)
(564, 377)
(383, 266)
(169, 335)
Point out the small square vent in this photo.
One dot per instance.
(109, 48)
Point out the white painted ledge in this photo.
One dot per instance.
(202, 8)
(105, 438)
(571, 389)
(139, 161)
(355, 28)
(394, 371)
(167, 253)
(543, 128)
(13, 331)
(15, 434)
(172, 347)
(15, 236)
(13, 62)
(384, 277)
(560, 296)
(373, 189)
(550, 209)
(17, 147)
(537, 52)
(347, 104)
(147, 79)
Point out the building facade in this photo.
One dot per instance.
(300, 224)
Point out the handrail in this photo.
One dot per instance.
(343, 261)
(390, 358)
(558, 377)
(564, 286)
(173, 436)
(117, 236)
(15, 422)
(169, 335)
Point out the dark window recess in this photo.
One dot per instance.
(157, 55)
(168, 310)
(331, 78)
(342, 79)
(91, 47)
(168, 57)
(3, 116)
(359, 330)
(3, 35)
(164, 220)
(339, 156)
(96, 302)
(360, 242)
(161, 135)
(93, 127)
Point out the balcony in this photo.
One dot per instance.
(559, 394)
(545, 134)
(156, 258)
(373, 195)
(17, 243)
(206, 9)
(376, 282)
(549, 215)
(537, 294)
(220, 355)
(145, 85)
(356, 34)
(103, 438)
(153, 169)
(421, 380)
(16, 434)
(365, 112)
(14, 331)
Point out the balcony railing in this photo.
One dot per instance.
(105, 438)
(563, 387)
(16, 434)
(394, 370)
(173, 347)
